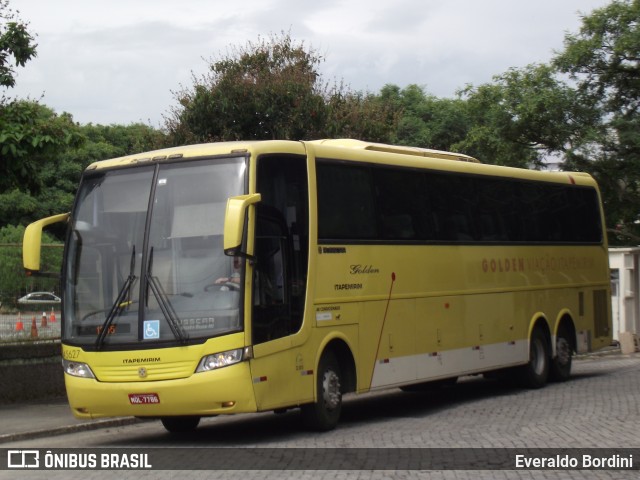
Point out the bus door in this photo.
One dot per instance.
(279, 285)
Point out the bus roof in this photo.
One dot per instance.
(190, 151)
(401, 150)
(404, 155)
(199, 150)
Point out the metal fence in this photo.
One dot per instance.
(30, 326)
(24, 319)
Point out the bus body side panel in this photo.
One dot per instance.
(282, 374)
(432, 311)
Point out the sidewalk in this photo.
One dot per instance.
(35, 420)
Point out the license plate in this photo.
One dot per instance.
(144, 398)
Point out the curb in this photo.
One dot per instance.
(80, 427)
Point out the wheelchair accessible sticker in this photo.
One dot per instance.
(151, 329)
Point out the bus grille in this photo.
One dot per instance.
(152, 372)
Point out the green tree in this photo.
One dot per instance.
(265, 90)
(31, 136)
(359, 115)
(272, 89)
(60, 175)
(524, 116)
(30, 133)
(425, 120)
(28, 130)
(603, 58)
(110, 141)
(49, 175)
(17, 45)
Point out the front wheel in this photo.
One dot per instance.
(180, 424)
(536, 372)
(324, 413)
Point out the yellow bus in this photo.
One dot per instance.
(254, 276)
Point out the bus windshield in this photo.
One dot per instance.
(145, 263)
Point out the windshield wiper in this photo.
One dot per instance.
(120, 302)
(163, 302)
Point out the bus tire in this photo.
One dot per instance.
(561, 363)
(180, 424)
(536, 372)
(323, 414)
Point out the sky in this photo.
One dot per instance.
(120, 61)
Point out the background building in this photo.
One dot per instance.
(625, 295)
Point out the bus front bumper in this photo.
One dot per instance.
(223, 391)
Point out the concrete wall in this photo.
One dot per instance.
(625, 290)
(31, 371)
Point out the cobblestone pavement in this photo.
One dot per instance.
(598, 408)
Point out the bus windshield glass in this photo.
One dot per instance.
(145, 263)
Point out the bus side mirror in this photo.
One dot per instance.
(234, 222)
(32, 240)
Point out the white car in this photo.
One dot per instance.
(38, 298)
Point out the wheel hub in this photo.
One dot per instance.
(563, 351)
(331, 390)
(537, 357)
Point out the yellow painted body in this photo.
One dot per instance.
(406, 313)
(33, 239)
(454, 298)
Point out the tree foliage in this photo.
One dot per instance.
(272, 89)
(265, 90)
(48, 176)
(30, 134)
(17, 45)
(603, 58)
(524, 116)
(425, 120)
(31, 137)
(358, 115)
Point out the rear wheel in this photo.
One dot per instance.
(536, 372)
(180, 424)
(324, 413)
(561, 364)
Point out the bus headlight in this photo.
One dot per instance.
(223, 359)
(77, 369)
